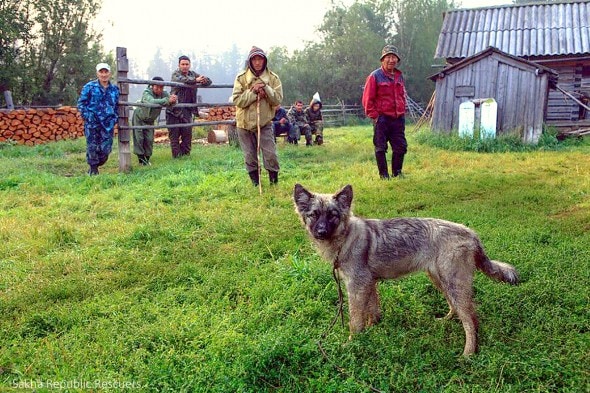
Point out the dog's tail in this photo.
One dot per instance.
(496, 270)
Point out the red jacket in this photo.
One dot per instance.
(384, 94)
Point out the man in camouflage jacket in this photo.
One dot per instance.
(300, 123)
(316, 120)
(97, 105)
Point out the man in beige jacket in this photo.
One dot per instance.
(254, 87)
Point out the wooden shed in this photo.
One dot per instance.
(554, 35)
(520, 88)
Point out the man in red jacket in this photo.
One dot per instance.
(384, 100)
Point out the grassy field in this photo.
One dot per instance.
(180, 277)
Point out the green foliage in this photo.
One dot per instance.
(350, 43)
(416, 28)
(53, 50)
(503, 143)
(181, 277)
(15, 27)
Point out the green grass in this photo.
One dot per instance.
(180, 277)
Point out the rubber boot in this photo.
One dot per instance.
(273, 177)
(382, 164)
(254, 177)
(397, 162)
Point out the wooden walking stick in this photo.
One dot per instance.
(258, 143)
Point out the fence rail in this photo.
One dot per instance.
(340, 114)
(123, 82)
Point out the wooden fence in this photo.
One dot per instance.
(341, 114)
(124, 135)
(334, 115)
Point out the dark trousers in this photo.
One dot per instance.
(298, 130)
(180, 137)
(390, 130)
(393, 131)
(280, 129)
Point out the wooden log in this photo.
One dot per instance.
(217, 136)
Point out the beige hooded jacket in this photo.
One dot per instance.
(245, 100)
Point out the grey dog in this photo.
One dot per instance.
(365, 251)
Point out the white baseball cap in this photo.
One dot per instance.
(103, 66)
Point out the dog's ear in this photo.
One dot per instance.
(302, 198)
(344, 197)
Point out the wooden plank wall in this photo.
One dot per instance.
(520, 94)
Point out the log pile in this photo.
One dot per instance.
(36, 126)
(221, 113)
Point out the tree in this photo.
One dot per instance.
(15, 28)
(337, 66)
(416, 26)
(351, 39)
(66, 49)
(51, 49)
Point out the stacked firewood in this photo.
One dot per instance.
(35, 126)
(221, 113)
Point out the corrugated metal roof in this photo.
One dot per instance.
(489, 51)
(520, 30)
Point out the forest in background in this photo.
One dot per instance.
(48, 50)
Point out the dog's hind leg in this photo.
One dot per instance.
(460, 295)
(457, 286)
(470, 324)
(435, 280)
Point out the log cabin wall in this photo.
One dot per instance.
(574, 77)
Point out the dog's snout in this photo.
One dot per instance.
(320, 231)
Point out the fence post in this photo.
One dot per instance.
(123, 112)
(8, 99)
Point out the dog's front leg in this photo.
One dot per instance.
(363, 305)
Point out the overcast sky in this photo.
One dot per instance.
(212, 27)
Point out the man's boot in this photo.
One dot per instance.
(382, 164)
(254, 177)
(273, 177)
(397, 162)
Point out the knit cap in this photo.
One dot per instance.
(256, 51)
